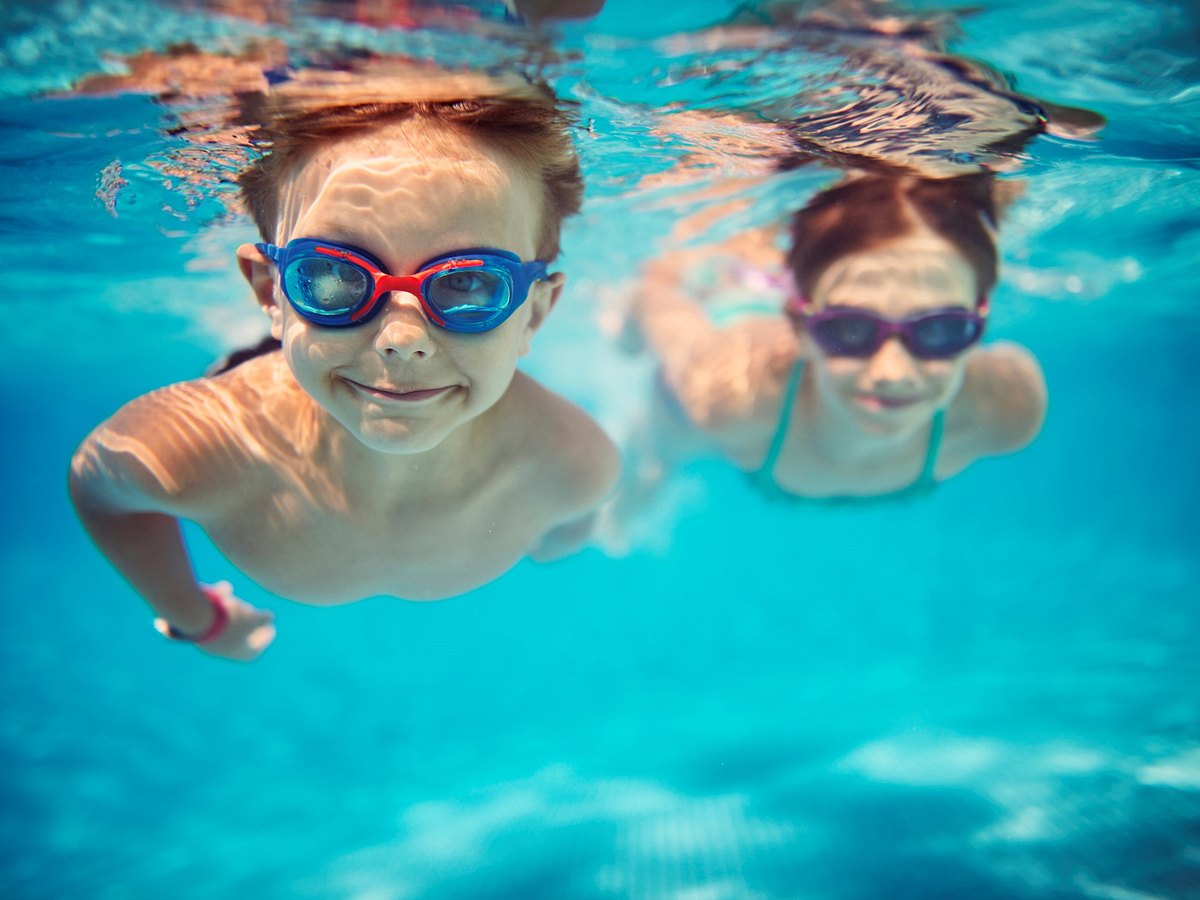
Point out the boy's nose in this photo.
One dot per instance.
(403, 329)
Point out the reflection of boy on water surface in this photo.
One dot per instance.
(390, 447)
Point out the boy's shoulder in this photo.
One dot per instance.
(571, 459)
(190, 443)
(211, 407)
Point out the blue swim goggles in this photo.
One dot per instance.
(339, 286)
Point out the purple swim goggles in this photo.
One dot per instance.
(930, 334)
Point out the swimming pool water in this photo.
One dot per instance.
(991, 693)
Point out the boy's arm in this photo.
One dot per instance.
(563, 540)
(570, 536)
(580, 475)
(129, 500)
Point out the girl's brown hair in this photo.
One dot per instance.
(866, 212)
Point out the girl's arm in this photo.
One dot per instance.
(717, 374)
(673, 324)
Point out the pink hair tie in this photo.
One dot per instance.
(214, 631)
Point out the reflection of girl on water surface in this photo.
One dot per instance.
(873, 383)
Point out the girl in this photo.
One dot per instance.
(872, 383)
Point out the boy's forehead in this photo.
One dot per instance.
(411, 172)
(407, 141)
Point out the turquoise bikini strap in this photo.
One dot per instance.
(766, 472)
(935, 444)
(785, 418)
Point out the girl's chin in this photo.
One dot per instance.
(883, 418)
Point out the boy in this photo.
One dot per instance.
(390, 447)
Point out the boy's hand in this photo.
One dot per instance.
(248, 633)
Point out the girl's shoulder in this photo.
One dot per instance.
(1002, 403)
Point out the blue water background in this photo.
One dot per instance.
(988, 694)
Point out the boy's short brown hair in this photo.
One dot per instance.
(517, 119)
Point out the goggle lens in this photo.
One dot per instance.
(474, 295)
(942, 336)
(859, 334)
(848, 335)
(326, 287)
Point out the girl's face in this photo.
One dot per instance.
(892, 391)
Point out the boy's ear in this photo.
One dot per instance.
(259, 273)
(542, 297)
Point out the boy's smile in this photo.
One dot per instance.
(407, 193)
(399, 395)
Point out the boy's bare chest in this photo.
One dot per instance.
(322, 554)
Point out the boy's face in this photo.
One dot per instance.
(405, 194)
